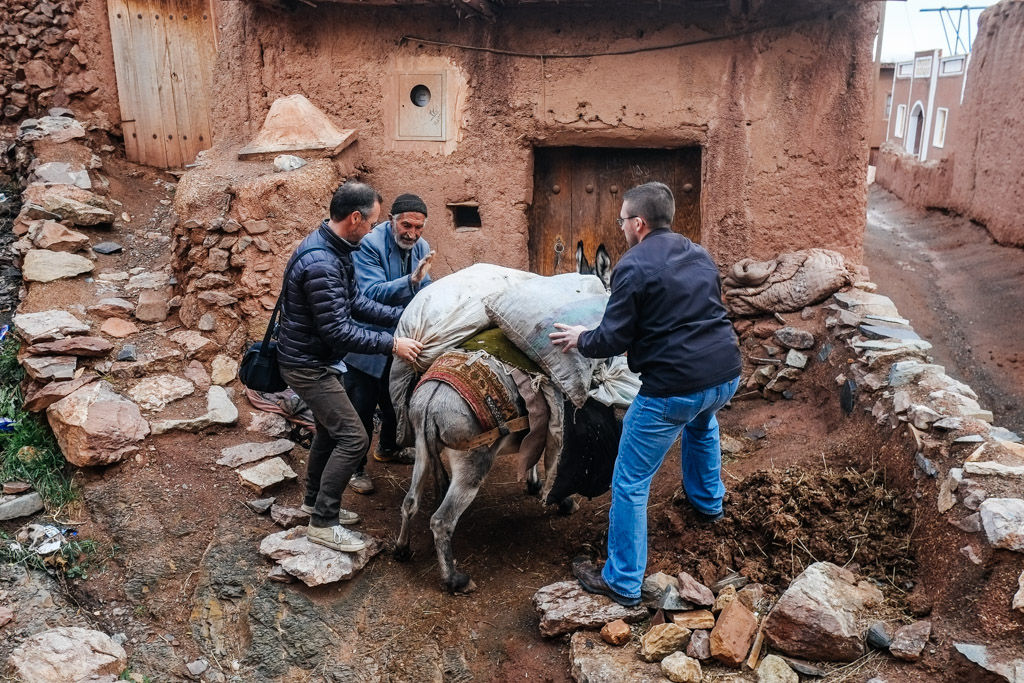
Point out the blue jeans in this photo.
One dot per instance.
(649, 429)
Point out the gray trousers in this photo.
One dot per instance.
(339, 444)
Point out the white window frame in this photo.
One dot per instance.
(941, 121)
(959, 61)
(888, 107)
(905, 70)
(901, 120)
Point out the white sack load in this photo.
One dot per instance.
(442, 316)
(451, 309)
(527, 313)
(786, 283)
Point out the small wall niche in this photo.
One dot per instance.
(466, 216)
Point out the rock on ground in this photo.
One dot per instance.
(692, 590)
(270, 424)
(616, 632)
(67, 654)
(12, 507)
(1003, 521)
(219, 410)
(73, 346)
(662, 640)
(43, 265)
(694, 619)
(47, 325)
(775, 670)
(565, 607)
(909, 641)
(679, 668)
(266, 474)
(733, 634)
(97, 426)
(817, 618)
(153, 393)
(593, 661)
(700, 645)
(314, 564)
(40, 397)
(245, 453)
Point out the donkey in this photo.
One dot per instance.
(441, 419)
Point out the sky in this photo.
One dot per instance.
(908, 30)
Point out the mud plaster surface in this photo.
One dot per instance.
(782, 114)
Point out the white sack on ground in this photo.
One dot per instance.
(527, 313)
(786, 283)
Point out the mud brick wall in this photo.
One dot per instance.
(987, 180)
(45, 57)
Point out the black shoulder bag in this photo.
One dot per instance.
(259, 370)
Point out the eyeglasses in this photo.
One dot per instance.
(620, 221)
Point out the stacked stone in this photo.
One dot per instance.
(226, 264)
(42, 64)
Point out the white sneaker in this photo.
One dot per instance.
(344, 516)
(336, 538)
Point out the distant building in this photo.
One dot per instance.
(924, 99)
(883, 107)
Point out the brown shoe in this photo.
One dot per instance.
(589, 576)
(400, 456)
(361, 483)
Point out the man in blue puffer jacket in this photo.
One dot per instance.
(392, 265)
(321, 303)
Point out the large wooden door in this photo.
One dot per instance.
(163, 57)
(578, 191)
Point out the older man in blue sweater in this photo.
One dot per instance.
(392, 264)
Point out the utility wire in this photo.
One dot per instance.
(613, 53)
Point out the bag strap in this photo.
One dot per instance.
(272, 324)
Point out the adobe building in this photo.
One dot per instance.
(883, 108)
(954, 137)
(521, 123)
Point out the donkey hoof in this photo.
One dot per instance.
(568, 506)
(532, 487)
(402, 553)
(461, 584)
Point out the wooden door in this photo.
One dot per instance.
(163, 57)
(578, 193)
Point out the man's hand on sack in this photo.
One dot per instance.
(567, 337)
(407, 349)
(422, 268)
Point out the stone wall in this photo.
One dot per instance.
(987, 181)
(922, 184)
(45, 58)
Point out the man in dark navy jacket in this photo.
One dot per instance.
(321, 303)
(666, 312)
(392, 265)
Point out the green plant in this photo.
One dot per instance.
(29, 451)
(71, 561)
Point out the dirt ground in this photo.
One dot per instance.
(962, 292)
(179, 573)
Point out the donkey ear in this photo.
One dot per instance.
(603, 265)
(582, 265)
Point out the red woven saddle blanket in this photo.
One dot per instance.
(477, 384)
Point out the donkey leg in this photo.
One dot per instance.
(533, 481)
(411, 503)
(468, 471)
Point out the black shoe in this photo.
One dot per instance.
(589, 576)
